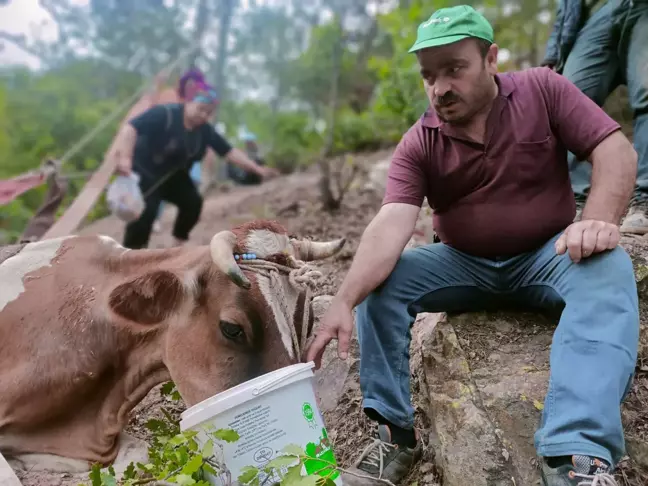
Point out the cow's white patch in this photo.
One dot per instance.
(264, 243)
(282, 311)
(32, 257)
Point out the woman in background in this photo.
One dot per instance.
(160, 145)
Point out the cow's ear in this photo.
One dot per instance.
(149, 298)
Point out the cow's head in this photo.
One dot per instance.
(222, 317)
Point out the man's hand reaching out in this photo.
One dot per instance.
(337, 323)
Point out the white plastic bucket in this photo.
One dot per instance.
(269, 413)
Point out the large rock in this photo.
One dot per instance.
(467, 445)
(7, 476)
(486, 376)
(330, 378)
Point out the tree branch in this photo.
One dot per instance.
(49, 7)
(19, 41)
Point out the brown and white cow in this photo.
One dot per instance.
(87, 328)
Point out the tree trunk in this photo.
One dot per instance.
(329, 201)
(203, 14)
(226, 12)
(227, 9)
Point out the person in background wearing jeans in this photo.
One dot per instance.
(160, 145)
(597, 45)
(490, 156)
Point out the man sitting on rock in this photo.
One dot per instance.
(490, 156)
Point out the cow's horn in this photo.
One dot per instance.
(316, 250)
(222, 253)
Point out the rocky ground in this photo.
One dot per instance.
(477, 379)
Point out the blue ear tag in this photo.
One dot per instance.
(245, 256)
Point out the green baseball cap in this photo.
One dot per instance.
(452, 24)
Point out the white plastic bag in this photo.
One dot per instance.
(125, 198)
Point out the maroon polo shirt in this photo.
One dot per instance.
(512, 193)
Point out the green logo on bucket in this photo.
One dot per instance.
(307, 412)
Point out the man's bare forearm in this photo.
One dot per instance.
(380, 248)
(614, 172)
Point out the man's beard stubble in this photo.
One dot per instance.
(479, 100)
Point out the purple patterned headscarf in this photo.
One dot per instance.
(206, 94)
(191, 75)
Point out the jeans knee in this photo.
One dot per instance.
(618, 267)
(389, 293)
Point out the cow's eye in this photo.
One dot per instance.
(231, 331)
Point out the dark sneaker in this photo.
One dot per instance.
(382, 460)
(581, 471)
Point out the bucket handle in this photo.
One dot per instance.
(271, 384)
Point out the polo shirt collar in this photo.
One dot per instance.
(506, 87)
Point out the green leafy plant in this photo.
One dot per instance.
(286, 469)
(174, 457)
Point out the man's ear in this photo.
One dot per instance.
(149, 298)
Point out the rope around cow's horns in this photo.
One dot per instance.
(300, 277)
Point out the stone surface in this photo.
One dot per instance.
(7, 475)
(508, 358)
(51, 470)
(486, 375)
(330, 378)
(468, 448)
(131, 449)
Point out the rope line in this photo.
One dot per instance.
(300, 277)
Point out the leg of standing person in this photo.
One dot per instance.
(181, 191)
(637, 80)
(138, 232)
(593, 66)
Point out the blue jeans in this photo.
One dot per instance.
(612, 49)
(194, 173)
(594, 348)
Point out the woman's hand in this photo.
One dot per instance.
(124, 166)
(268, 172)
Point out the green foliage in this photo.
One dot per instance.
(177, 458)
(357, 132)
(174, 456)
(43, 115)
(283, 49)
(169, 389)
